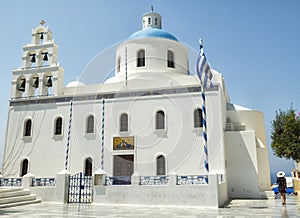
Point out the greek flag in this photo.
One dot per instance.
(203, 69)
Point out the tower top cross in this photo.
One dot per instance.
(42, 22)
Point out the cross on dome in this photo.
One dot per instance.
(42, 22)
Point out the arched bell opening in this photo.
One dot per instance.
(34, 85)
(47, 84)
(40, 36)
(31, 59)
(43, 58)
(20, 86)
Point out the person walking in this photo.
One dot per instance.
(281, 181)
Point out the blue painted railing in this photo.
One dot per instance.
(43, 182)
(118, 180)
(192, 180)
(15, 182)
(154, 180)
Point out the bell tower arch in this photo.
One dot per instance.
(40, 74)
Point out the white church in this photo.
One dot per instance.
(144, 123)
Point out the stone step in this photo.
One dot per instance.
(20, 203)
(14, 194)
(17, 199)
(10, 189)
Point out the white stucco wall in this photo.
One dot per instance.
(180, 142)
(242, 165)
(155, 56)
(44, 151)
(254, 120)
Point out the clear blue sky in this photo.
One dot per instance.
(254, 44)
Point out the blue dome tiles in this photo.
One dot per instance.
(152, 33)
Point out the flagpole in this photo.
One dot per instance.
(69, 135)
(126, 66)
(202, 70)
(206, 165)
(102, 134)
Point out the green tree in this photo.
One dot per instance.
(286, 134)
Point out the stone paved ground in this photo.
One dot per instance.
(237, 208)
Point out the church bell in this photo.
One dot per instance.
(41, 35)
(35, 82)
(33, 58)
(21, 85)
(49, 81)
(45, 58)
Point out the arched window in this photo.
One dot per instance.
(124, 122)
(24, 167)
(140, 58)
(90, 124)
(160, 165)
(88, 169)
(170, 59)
(198, 120)
(160, 120)
(27, 127)
(119, 64)
(58, 126)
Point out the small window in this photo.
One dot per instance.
(27, 128)
(155, 21)
(170, 59)
(160, 120)
(198, 120)
(149, 20)
(124, 123)
(141, 58)
(90, 124)
(58, 126)
(24, 168)
(118, 64)
(160, 165)
(88, 169)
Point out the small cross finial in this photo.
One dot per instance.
(151, 8)
(42, 22)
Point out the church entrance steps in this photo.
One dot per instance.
(10, 189)
(10, 197)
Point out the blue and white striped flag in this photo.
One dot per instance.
(203, 69)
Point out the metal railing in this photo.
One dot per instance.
(192, 180)
(14, 182)
(118, 180)
(154, 180)
(43, 182)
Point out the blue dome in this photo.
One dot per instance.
(152, 33)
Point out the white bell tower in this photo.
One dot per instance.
(40, 74)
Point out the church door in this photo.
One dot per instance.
(123, 169)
